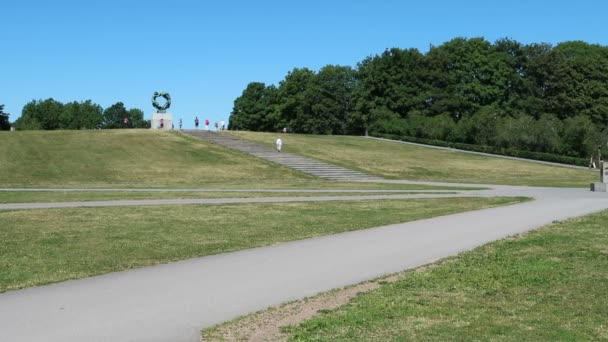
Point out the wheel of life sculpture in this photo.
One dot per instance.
(164, 95)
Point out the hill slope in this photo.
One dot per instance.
(131, 158)
(400, 161)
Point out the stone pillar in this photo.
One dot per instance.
(167, 120)
(602, 186)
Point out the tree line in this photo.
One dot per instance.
(535, 97)
(51, 114)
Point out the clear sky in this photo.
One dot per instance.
(204, 53)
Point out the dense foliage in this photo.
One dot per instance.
(51, 114)
(4, 123)
(536, 97)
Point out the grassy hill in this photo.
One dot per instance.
(123, 158)
(401, 161)
(135, 158)
(146, 158)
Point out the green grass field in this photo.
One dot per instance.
(131, 158)
(546, 285)
(143, 159)
(44, 246)
(401, 161)
(71, 196)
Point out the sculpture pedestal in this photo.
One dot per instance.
(167, 120)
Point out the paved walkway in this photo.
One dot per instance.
(172, 302)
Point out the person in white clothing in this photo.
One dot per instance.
(279, 144)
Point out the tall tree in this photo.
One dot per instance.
(81, 115)
(41, 115)
(114, 115)
(392, 82)
(467, 75)
(254, 109)
(292, 105)
(577, 81)
(328, 100)
(4, 123)
(136, 118)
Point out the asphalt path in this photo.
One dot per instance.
(172, 302)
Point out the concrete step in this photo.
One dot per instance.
(302, 164)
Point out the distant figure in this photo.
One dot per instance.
(180, 124)
(223, 126)
(591, 163)
(196, 122)
(162, 123)
(207, 124)
(284, 129)
(279, 144)
(125, 122)
(217, 126)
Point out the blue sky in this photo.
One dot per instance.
(205, 53)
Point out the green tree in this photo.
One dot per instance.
(292, 105)
(580, 137)
(481, 128)
(393, 81)
(41, 115)
(578, 81)
(255, 109)
(465, 75)
(521, 95)
(328, 100)
(114, 115)
(4, 123)
(136, 118)
(81, 115)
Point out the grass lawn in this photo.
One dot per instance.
(547, 285)
(131, 158)
(401, 161)
(73, 196)
(144, 159)
(51, 245)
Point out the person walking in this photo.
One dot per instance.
(196, 122)
(279, 143)
(207, 124)
(125, 122)
(180, 124)
(223, 126)
(162, 123)
(217, 126)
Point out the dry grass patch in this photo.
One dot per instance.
(267, 325)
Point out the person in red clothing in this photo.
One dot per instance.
(125, 122)
(162, 123)
(207, 124)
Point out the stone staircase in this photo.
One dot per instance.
(303, 164)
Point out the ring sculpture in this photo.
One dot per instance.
(163, 94)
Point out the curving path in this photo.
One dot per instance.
(172, 302)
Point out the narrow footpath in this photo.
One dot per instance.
(172, 302)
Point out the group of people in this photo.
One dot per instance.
(218, 126)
